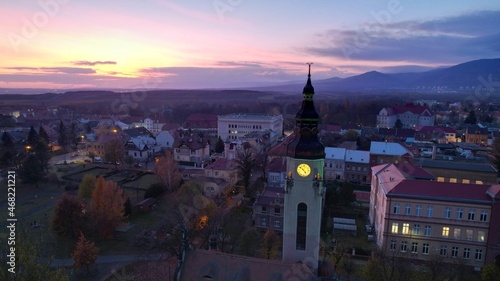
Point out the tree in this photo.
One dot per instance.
(249, 242)
(63, 138)
(245, 163)
(219, 146)
(32, 137)
(42, 134)
(32, 260)
(86, 187)
(72, 136)
(270, 244)
(85, 253)
(41, 150)
(471, 118)
(346, 194)
(31, 171)
(129, 160)
(107, 207)
(167, 171)
(68, 217)
(398, 124)
(114, 152)
(490, 272)
(127, 207)
(351, 135)
(7, 141)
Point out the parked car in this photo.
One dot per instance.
(138, 165)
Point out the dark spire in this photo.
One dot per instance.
(306, 144)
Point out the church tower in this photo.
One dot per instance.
(304, 188)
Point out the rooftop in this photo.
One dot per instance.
(249, 116)
(454, 165)
(388, 148)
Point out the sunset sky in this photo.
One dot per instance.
(69, 44)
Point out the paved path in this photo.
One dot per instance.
(112, 259)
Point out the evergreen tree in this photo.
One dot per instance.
(63, 139)
(127, 207)
(7, 141)
(32, 137)
(72, 137)
(31, 171)
(43, 135)
(471, 118)
(219, 146)
(85, 253)
(398, 124)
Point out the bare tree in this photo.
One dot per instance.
(167, 171)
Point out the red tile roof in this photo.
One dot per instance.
(280, 149)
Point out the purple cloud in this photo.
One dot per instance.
(92, 63)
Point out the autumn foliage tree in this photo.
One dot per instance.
(106, 207)
(114, 152)
(167, 171)
(87, 186)
(85, 253)
(270, 244)
(68, 216)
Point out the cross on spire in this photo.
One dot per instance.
(309, 63)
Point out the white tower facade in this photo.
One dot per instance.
(303, 198)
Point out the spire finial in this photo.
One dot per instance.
(309, 63)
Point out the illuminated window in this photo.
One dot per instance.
(446, 231)
(468, 234)
(479, 182)
(456, 233)
(480, 236)
(394, 228)
(465, 181)
(440, 179)
(406, 228)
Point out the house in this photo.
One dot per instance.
(142, 147)
(268, 209)
(224, 169)
(422, 219)
(410, 115)
(440, 134)
(276, 172)
(388, 152)
(334, 163)
(357, 166)
(476, 134)
(191, 150)
(165, 139)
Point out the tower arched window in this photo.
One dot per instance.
(301, 226)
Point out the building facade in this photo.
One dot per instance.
(410, 116)
(422, 219)
(235, 126)
(334, 163)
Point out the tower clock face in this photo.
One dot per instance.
(303, 170)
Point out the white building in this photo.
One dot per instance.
(234, 126)
(334, 163)
(410, 116)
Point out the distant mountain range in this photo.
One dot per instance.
(455, 78)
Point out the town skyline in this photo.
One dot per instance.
(66, 44)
